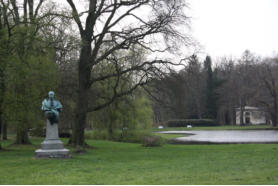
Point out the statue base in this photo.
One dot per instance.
(53, 153)
(52, 146)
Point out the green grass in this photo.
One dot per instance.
(125, 163)
(225, 127)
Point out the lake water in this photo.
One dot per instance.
(227, 136)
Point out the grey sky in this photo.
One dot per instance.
(228, 27)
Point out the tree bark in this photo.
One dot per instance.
(84, 74)
(4, 129)
(22, 136)
(0, 127)
(112, 16)
(80, 120)
(110, 130)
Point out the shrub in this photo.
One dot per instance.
(193, 122)
(97, 135)
(152, 141)
(131, 136)
(38, 132)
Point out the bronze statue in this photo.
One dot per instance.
(52, 108)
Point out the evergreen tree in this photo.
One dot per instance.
(210, 94)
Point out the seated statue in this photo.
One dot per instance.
(51, 108)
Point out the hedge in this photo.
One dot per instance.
(192, 122)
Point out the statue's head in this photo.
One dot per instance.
(51, 94)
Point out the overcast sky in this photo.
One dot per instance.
(228, 27)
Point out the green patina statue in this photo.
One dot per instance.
(51, 108)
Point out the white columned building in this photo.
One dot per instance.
(251, 116)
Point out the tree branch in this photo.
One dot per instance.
(37, 8)
(76, 16)
(118, 95)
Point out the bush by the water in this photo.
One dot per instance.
(192, 122)
(152, 141)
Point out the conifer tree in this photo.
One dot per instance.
(210, 94)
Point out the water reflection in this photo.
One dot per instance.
(229, 136)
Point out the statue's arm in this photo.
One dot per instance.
(44, 105)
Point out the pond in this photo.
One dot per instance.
(226, 136)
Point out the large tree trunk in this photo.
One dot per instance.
(4, 131)
(0, 130)
(0, 133)
(84, 74)
(110, 130)
(22, 136)
(0, 127)
(80, 120)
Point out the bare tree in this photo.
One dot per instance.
(194, 80)
(268, 87)
(228, 101)
(179, 95)
(114, 25)
(239, 87)
(246, 86)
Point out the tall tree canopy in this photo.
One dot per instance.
(115, 25)
(27, 68)
(211, 85)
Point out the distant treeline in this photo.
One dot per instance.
(203, 90)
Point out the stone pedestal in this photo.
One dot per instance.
(52, 146)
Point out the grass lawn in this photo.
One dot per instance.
(126, 163)
(225, 127)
